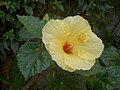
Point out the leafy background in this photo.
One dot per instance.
(26, 65)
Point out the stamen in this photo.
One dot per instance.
(67, 48)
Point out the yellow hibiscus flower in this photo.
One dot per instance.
(71, 43)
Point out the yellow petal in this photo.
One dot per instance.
(77, 23)
(71, 43)
(57, 54)
(78, 63)
(91, 49)
(78, 26)
(65, 67)
(55, 29)
(55, 33)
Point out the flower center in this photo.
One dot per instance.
(67, 48)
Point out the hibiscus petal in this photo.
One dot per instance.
(78, 26)
(91, 49)
(55, 30)
(57, 53)
(78, 63)
(71, 43)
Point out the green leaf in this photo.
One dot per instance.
(17, 79)
(60, 6)
(32, 59)
(109, 79)
(114, 72)
(64, 80)
(46, 18)
(41, 1)
(9, 35)
(3, 80)
(28, 10)
(6, 45)
(85, 7)
(10, 18)
(14, 46)
(32, 24)
(1, 13)
(111, 56)
(26, 35)
(25, 1)
(2, 47)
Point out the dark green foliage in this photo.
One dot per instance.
(111, 56)
(16, 79)
(109, 79)
(23, 55)
(67, 81)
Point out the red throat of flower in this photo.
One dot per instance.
(67, 48)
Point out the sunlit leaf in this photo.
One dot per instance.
(32, 59)
(26, 35)
(46, 17)
(32, 24)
